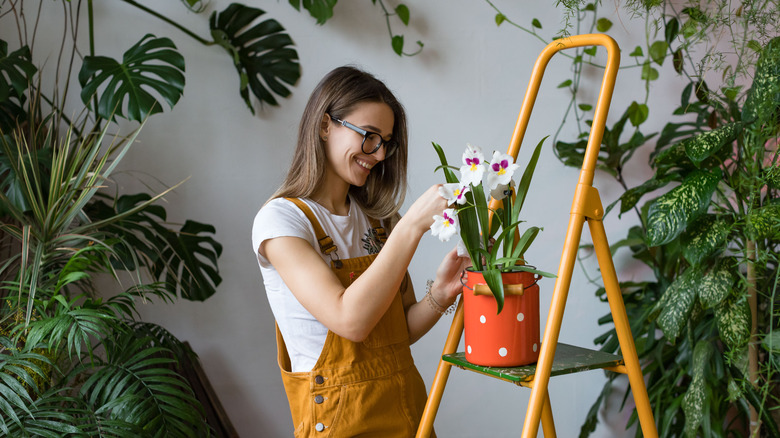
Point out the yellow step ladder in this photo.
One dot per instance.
(554, 358)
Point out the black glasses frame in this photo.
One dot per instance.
(390, 145)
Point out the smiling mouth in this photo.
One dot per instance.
(364, 165)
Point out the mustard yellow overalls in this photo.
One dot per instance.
(365, 389)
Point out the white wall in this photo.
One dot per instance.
(466, 86)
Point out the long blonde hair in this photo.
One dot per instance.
(337, 94)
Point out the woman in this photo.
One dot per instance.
(346, 312)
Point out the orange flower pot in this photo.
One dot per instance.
(507, 339)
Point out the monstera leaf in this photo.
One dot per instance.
(185, 260)
(322, 10)
(16, 72)
(151, 64)
(261, 52)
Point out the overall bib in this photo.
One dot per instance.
(356, 389)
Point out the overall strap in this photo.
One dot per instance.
(381, 234)
(326, 243)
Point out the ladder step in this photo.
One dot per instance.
(568, 359)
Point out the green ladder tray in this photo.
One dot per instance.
(568, 359)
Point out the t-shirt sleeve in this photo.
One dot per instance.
(279, 218)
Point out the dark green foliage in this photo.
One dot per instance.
(152, 63)
(262, 52)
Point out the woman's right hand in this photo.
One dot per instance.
(430, 203)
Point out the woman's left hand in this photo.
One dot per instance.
(448, 274)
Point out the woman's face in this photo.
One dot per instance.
(345, 157)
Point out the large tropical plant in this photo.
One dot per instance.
(704, 323)
(74, 358)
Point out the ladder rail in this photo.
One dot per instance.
(586, 206)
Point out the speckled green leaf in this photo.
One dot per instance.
(702, 146)
(630, 198)
(703, 238)
(733, 318)
(670, 214)
(764, 222)
(677, 302)
(716, 285)
(764, 95)
(694, 399)
(672, 155)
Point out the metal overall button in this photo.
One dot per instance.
(319, 399)
(319, 380)
(319, 427)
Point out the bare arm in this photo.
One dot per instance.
(421, 316)
(354, 311)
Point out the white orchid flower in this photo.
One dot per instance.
(500, 170)
(473, 166)
(454, 193)
(446, 226)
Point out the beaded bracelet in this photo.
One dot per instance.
(435, 305)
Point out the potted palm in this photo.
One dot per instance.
(500, 291)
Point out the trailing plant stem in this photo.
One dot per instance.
(171, 22)
(753, 376)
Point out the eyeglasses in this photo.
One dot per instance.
(372, 141)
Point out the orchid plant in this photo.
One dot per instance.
(491, 235)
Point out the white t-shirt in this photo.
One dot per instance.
(303, 335)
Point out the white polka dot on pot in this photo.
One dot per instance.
(482, 319)
(520, 316)
(502, 352)
(468, 348)
(536, 347)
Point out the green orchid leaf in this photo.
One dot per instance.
(151, 64)
(733, 320)
(536, 23)
(16, 71)
(695, 396)
(669, 215)
(763, 98)
(676, 304)
(261, 52)
(525, 180)
(701, 146)
(322, 10)
(764, 222)
(449, 175)
(717, 284)
(496, 285)
(637, 52)
(705, 237)
(525, 242)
